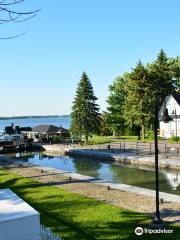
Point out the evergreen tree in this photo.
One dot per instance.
(175, 62)
(116, 99)
(85, 110)
(163, 81)
(138, 104)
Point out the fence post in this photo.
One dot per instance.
(177, 150)
(137, 152)
(124, 146)
(150, 148)
(120, 146)
(165, 149)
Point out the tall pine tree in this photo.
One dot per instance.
(138, 104)
(85, 110)
(162, 77)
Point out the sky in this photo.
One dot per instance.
(40, 70)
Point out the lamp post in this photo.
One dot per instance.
(158, 222)
(175, 114)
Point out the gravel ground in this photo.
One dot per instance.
(169, 211)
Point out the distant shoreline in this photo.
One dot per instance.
(28, 117)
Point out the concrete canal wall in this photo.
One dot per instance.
(170, 163)
(146, 160)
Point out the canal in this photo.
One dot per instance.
(137, 175)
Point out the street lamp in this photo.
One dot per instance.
(158, 222)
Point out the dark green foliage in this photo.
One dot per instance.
(85, 110)
(132, 97)
(115, 116)
(175, 63)
(105, 129)
(163, 82)
(138, 104)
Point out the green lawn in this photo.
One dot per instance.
(106, 139)
(75, 217)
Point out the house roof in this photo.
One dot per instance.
(176, 96)
(48, 129)
(26, 129)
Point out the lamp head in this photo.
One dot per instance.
(166, 118)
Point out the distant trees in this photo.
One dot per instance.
(85, 111)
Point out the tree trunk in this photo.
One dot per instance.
(86, 140)
(143, 132)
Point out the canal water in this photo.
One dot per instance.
(141, 176)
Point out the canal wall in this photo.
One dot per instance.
(164, 162)
(126, 158)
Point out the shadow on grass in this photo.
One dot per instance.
(75, 217)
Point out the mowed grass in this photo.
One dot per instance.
(74, 217)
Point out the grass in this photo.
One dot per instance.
(106, 139)
(101, 139)
(74, 217)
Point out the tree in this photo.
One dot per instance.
(175, 65)
(9, 14)
(163, 80)
(116, 99)
(138, 104)
(85, 110)
(104, 127)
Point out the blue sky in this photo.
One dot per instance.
(105, 38)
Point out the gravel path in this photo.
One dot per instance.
(137, 202)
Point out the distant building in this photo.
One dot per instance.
(12, 133)
(172, 128)
(49, 130)
(12, 138)
(46, 131)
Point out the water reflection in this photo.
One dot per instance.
(137, 175)
(86, 167)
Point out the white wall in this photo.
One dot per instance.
(18, 220)
(168, 130)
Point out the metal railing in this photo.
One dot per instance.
(137, 148)
(47, 234)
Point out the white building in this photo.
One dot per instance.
(172, 128)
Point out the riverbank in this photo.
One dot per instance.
(128, 197)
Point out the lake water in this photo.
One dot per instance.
(31, 122)
(123, 173)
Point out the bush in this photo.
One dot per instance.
(57, 139)
(150, 134)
